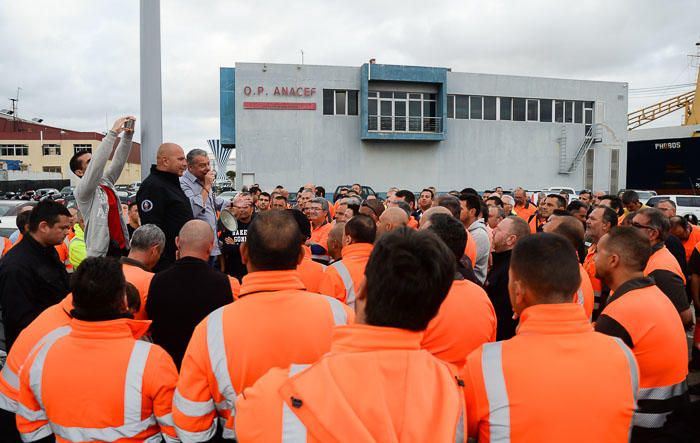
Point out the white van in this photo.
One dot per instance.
(685, 204)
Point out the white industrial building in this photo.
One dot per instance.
(408, 126)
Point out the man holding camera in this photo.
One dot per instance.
(105, 233)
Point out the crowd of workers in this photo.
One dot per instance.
(431, 318)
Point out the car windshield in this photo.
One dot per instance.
(6, 207)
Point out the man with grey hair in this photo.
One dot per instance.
(508, 203)
(197, 184)
(316, 210)
(147, 243)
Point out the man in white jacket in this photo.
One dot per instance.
(105, 230)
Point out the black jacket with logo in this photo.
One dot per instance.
(162, 202)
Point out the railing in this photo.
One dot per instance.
(650, 113)
(592, 136)
(377, 123)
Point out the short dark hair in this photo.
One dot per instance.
(451, 232)
(576, 205)
(629, 196)
(409, 274)
(46, 211)
(302, 222)
(133, 297)
(406, 195)
(265, 193)
(432, 194)
(361, 228)
(451, 203)
(560, 212)
(132, 204)
(320, 191)
(274, 241)
(609, 215)
(585, 192)
(473, 202)
(22, 220)
(98, 286)
(400, 204)
(280, 197)
(547, 265)
(75, 163)
(561, 201)
(469, 191)
(496, 199)
(615, 203)
(254, 190)
(677, 220)
(631, 245)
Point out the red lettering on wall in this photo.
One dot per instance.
(247, 90)
(280, 106)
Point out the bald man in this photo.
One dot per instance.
(392, 218)
(425, 219)
(162, 201)
(181, 296)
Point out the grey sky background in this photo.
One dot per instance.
(77, 61)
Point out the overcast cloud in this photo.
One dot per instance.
(77, 61)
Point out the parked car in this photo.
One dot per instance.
(685, 204)
(227, 195)
(8, 215)
(366, 190)
(134, 187)
(43, 192)
(67, 190)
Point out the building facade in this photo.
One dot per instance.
(408, 126)
(38, 148)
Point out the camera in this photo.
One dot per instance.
(129, 124)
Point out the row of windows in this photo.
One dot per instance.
(46, 149)
(339, 102)
(51, 169)
(398, 111)
(478, 107)
(14, 150)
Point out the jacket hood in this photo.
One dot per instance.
(406, 395)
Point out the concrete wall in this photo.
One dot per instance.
(292, 147)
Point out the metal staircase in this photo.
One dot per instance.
(592, 136)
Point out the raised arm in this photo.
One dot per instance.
(121, 154)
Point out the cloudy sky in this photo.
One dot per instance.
(77, 61)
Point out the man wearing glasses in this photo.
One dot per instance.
(316, 210)
(662, 265)
(231, 241)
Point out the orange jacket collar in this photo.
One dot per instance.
(267, 281)
(110, 329)
(357, 250)
(67, 303)
(307, 252)
(363, 338)
(560, 318)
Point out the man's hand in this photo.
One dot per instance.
(209, 179)
(118, 125)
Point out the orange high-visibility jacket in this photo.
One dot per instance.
(662, 259)
(343, 277)
(589, 266)
(585, 296)
(646, 320)
(538, 386)
(693, 239)
(310, 272)
(320, 235)
(5, 245)
(47, 327)
(98, 383)
(525, 212)
(470, 248)
(137, 275)
(465, 321)
(274, 322)
(375, 385)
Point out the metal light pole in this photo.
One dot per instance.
(151, 89)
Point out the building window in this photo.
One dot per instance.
(475, 107)
(545, 110)
(450, 106)
(578, 112)
(559, 111)
(533, 110)
(81, 148)
(568, 111)
(16, 150)
(51, 169)
(396, 111)
(50, 149)
(506, 108)
(489, 108)
(462, 106)
(339, 102)
(519, 109)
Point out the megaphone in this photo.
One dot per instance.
(228, 220)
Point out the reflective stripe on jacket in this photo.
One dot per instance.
(275, 322)
(400, 388)
(98, 383)
(343, 277)
(538, 386)
(646, 320)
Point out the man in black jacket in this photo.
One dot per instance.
(161, 199)
(508, 232)
(32, 277)
(182, 295)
